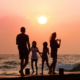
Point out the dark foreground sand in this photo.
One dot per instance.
(66, 76)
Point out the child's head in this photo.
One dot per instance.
(34, 44)
(45, 44)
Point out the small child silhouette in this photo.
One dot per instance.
(44, 55)
(34, 57)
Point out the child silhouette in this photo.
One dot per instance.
(44, 55)
(34, 57)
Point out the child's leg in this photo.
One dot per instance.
(42, 65)
(32, 66)
(47, 63)
(36, 67)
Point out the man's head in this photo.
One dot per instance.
(23, 29)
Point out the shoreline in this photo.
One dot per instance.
(66, 76)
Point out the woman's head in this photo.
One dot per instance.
(34, 44)
(45, 44)
(53, 36)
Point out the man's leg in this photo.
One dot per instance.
(21, 66)
(26, 62)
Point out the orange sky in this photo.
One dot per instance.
(63, 17)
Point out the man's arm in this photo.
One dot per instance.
(17, 40)
(28, 43)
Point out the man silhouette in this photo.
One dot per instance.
(22, 40)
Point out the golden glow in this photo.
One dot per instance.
(42, 20)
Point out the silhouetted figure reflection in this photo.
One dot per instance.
(54, 44)
(22, 40)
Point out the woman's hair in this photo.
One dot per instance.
(53, 36)
(45, 44)
(34, 44)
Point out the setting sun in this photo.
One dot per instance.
(42, 20)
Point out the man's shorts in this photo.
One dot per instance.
(23, 54)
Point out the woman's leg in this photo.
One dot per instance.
(54, 64)
(42, 65)
(50, 71)
(32, 66)
(36, 67)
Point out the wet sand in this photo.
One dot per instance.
(66, 76)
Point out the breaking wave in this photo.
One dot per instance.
(68, 67)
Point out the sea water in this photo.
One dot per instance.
(10, 63)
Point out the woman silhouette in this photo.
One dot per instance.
(54, 44)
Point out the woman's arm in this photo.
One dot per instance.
(58, 44)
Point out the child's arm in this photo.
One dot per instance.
(39, 53)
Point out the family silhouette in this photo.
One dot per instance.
(22, 40)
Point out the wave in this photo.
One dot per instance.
(68, 67)
(4, 73)
(7, 67)
(11, 63)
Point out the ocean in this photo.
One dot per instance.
(10, 63)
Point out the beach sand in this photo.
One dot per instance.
(66, 76)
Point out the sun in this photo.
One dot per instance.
(42, 20)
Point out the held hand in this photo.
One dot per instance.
(29, 51)
(41, 55)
